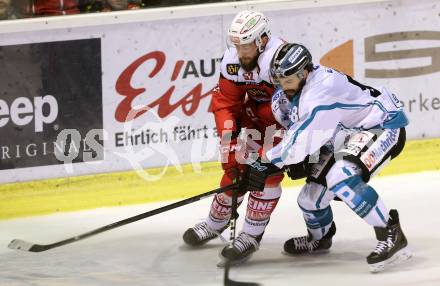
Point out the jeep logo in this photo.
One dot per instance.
(23, 110)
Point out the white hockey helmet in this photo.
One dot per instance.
(248, 26)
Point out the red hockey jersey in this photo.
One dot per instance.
(235, 83)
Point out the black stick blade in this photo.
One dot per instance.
(229, 282)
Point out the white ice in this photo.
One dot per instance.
(151, 252)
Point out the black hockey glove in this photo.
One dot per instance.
(297, 171)
(255, 175)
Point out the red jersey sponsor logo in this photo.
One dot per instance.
(248, 75)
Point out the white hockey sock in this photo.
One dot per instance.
(318, 233)
(378, 216)
(220, 212)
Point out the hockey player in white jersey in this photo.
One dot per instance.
(345, 131)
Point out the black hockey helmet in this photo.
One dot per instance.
(290, 59)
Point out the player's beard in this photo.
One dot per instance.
(248, 64)
(294, 92)
(290, 93)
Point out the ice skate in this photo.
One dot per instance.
(392, 246)
(305, 244)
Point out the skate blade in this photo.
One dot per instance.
(399, 257)
(316, 252)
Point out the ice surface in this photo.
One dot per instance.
(151, 252)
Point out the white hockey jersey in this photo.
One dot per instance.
(328, 101)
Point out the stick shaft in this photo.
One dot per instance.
(39, 247)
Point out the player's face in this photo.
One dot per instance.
(248, 55)
(289, 84)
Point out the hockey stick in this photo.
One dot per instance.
(33, 247)
(229, 282)
(234, 215)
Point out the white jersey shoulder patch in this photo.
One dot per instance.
(230, 65)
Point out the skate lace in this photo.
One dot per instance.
(245, 241)
(303, 243)
(204, 231)
(384, 244)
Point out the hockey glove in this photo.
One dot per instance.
(297, 171)
(254, 177)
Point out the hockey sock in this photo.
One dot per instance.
(318, 221)
(221, 209)
(260, 207)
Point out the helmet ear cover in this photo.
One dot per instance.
(259, 42)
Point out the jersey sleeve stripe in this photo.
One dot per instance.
(285, 148)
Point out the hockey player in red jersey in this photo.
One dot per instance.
(242, 100)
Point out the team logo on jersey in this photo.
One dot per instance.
(248, 76)
(258, 94)
(232, 69)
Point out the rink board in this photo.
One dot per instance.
(99, 74)
(124, 188)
